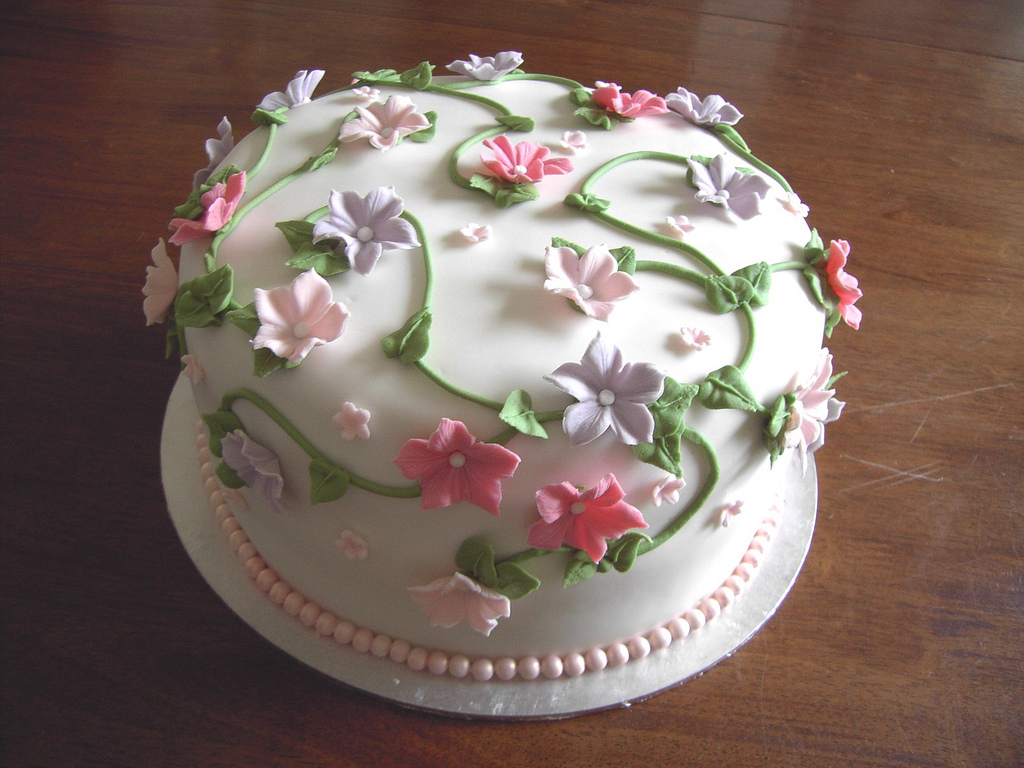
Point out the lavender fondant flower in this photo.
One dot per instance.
(721, 184)
(611, 394)
(487, 67)
(255, 464)
(366, 226)
(711, 111)
(297, 92)
(216, 149)
(384, 124)
(296, 318)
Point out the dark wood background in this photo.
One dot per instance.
(900, 122)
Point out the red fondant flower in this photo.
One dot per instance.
(630, 106)
(842, 284)
(453, 466)
(522, 163)
(583, 520)
(219, 203)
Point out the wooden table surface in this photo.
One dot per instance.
(901, 123)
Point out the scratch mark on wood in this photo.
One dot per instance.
(897, 475)
(933, 400)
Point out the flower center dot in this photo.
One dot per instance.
(724, 194)
(520, 170)
(301, 330)
(584, 290)
(365, 234)
(606, 397)
(457, 459)
(578, 507)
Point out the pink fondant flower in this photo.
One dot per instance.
(727, 512)
(453, 466)
(219, 203)
(629, 106)
(814, 407)
(711, 111)
(385, 124)
(523, 163)
(611, 394)
(366, 93)
(353, 545)
(791, 202)
(593, 281)
(667, 491)
(721, 184)
(193, 368)
(842, 284)
(449, 600)
(696, 339)
(574, 141)
(298, 91)
(255, 464)
(583, 519)
(161, 285)
(353, 422)
(487, 67)
(296, 318)
(475, 233)
(679, 225)
(216, 149)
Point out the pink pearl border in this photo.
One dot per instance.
(437, 662)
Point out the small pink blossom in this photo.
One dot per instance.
(385, 124)
(583, 519)
(450, 599)
(522, 163)
(791, 202)
(476, 233)
(696, 339)
(219, 203)
(353, 422)
(366, 93)
(296, 318)
(353, 545)
(727, 512)
(592, 281)
(667, 491)
(842, 284)
(193, 368)
(679, 225)
(161, 286)
(814, 407)
(574, 141)
(453, 466)
(630, 106)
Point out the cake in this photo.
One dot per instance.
(500, 374)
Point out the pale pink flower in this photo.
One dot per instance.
(255, 464)
(450, 599)
(453, 466)
(791, 202)
(842, 284)
(574, 141)
(385, 124)
(583, 519)
(298, 91)
(161, 286)
(353, 545)
(523, 163)
(814, 407)
(592, 281)
(727, 512)
(219, 203)
(366, 93)
(476, 233)
(353, 422)
(630, 106)
(193, 368)
(679, 225)
(696, 339)
(296, 318)
(667, 491)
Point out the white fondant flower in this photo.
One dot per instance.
(696, 339)
(255, 464)
(721, 184)
(814, 407)
(353, 422)
(216, 149)
(791, 202)
(353, 545)
(592, 281)
(366, 93)
(297, 92)
(385, 124)
(667, 491)
(449, 600)
(475, 233)
(679, 225)
(728, 512)
(296, 318)
(366, 226)
(161, 286)
(574, 141)
(193, 368)
(487, 67)
(711, 111)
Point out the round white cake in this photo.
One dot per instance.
(500, 374)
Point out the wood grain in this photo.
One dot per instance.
(901, 124)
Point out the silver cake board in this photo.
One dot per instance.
(621, 686)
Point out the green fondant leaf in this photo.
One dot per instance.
(598, 117)
(265, 117)
(486, 184)
(228, 477)
(297, 232)
(626, 257)
(321, 258)
(729, 134)
(668, 410)
(475, 558)
(518, 123)
(327, 482)
(410, 342)
(201, 300)
(561, 242)
(727, 388)
(815, 249)
(173, 339)
(220, 423)
(418, 77)
(245, 318)
(425, 134)
(622, 552)
(579, 568)
(589, 202)
(266, 362)
(664, 453)
(581, 97)
(832, 321)
(778, 414)
(814, 281)
(514, 582)
(518, 412)
(320, 160)
(760, 278)
(515, 193)
(724, 294)
(380, 76)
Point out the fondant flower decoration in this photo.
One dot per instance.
(574, 141)
(592, 281)
(475, 233)
(667, 490)
(298, 91)
(679, 225)
(522, 163)
(791, 202)
(385, 124)
(366, 226)
(626, 105)
(256, 465)
(216, 149)
(844, 285)
(161, 286)
(487, 67)
(696, 339)
(728, 512)
(721, 184)
(193, 368)
(710, 111)
(610, 394)
(296, 318)
(366, 93)
(814, 407)
(353, 545)
(453, 466)
(451, 599)
(218, 204)
(353, 422)
(583, 519)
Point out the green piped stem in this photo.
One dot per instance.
(672, 270)
(428, 263)
(748, 315)
(456, 390)
(272, 128)
(754, 161)
(453, 162)
(784, 265)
